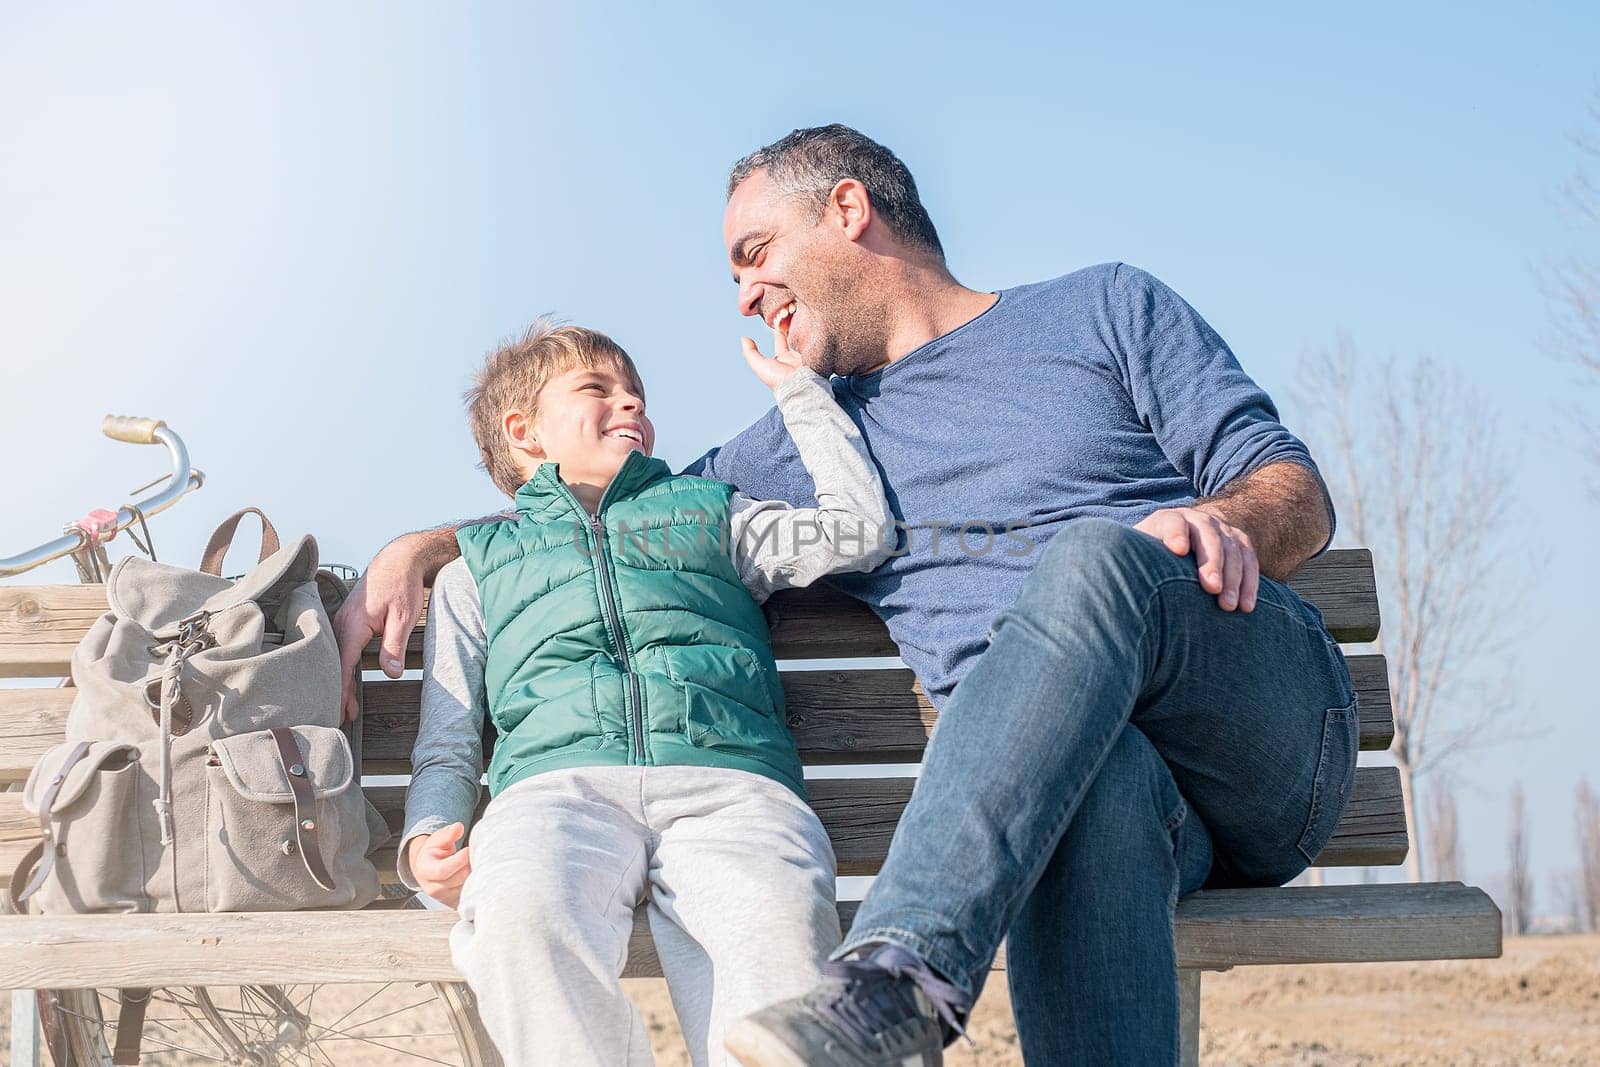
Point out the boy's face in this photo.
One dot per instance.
(589, 419)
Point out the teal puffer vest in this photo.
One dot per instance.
(625, 638)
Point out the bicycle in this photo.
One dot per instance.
(260, 1026)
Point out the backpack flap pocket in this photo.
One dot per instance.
(85, 795)
(253, 763)
(286, 824)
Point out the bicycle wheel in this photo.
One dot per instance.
(395, 1024)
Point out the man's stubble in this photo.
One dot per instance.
(850, 328)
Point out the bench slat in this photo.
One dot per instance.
(40, 625)
(32, 721)
(860, 816)
(822, 623)
(1338, 924)
(1224, 928)
(838, 717)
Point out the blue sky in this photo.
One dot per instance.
(292, 231)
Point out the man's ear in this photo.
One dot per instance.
(521, 436)
(850, 205)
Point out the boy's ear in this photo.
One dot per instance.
(521, 436)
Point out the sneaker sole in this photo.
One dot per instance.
(755, 1046)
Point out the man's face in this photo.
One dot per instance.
(797, 271)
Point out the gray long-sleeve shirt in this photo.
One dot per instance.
(773, 544)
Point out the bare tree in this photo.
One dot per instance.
(1444, 840)
(1519, 886)
(1564, 894)
(1412, 456)
(1571, 283)
(1586, 819)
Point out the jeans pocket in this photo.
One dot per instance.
(1334, 781)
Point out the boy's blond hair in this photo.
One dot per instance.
(513, 374)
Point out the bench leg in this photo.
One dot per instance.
(1189, 1017)
(24, 1028)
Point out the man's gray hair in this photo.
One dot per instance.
(813, 161)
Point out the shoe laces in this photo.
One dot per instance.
(878, 993)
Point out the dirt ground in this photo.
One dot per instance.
(1539, 1004)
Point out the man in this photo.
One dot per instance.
(1097, 509)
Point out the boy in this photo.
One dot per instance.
(610, 629)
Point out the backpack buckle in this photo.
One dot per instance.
(194, 630)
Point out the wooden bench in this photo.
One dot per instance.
(855, 714)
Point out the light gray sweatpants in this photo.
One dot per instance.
(734, 869)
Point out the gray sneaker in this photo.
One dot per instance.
(888, 1010)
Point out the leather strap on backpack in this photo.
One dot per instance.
(12, 901)
(305, 806)
(130, 1024)
(44, 852)
(222, 540)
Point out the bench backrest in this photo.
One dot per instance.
(855, 713)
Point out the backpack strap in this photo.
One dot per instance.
(305, 806)
(12, 901)
(130, 1024)
(222, 540)
(44, 853)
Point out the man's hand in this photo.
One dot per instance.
(388, 601)
(1224, 554)
(437, 866)
(782, 364)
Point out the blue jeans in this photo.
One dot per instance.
(1122, 742)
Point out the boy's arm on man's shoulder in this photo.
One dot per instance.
(776, 545)
(447, 756)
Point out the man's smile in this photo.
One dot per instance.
(782, 315)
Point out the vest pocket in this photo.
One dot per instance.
(86, 796)
(260, 853)
(724, 693)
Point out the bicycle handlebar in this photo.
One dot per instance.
(183, 480)
(129, 428)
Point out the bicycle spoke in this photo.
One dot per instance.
(305, 1006)
(387, 1014)
(145, 1053)
(387, 1037)
(403, 1052)
(363, 1004)
(345, 1035)
(318, 1050)
(269, 1008)
(205, 1028)
(172, 1046)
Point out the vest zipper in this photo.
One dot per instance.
(632, 709)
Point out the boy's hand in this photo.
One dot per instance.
(438, 868)
(782, 364)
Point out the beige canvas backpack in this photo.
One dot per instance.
(204, 768)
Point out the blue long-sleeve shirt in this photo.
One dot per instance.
(1097, 393)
